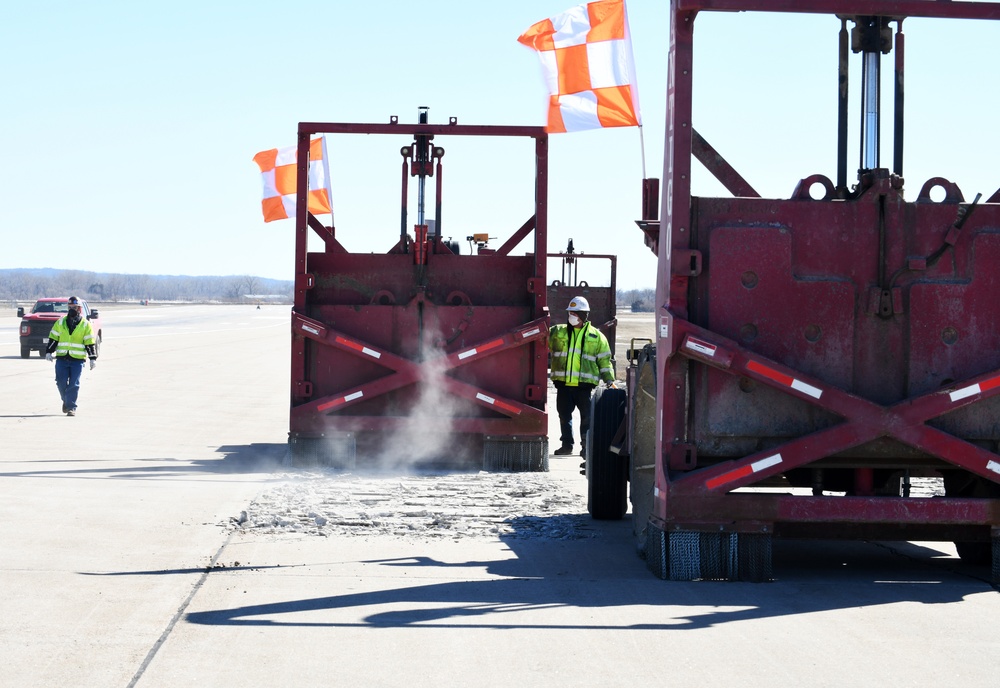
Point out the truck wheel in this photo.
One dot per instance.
(607, 473)
(25, 352)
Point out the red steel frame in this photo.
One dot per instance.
(603, 300)
(374, 365)
(700, 360)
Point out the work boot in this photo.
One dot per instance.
(564, 450)
(65, 408)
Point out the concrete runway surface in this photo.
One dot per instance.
(121, 563)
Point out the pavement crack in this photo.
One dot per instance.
(178, 614)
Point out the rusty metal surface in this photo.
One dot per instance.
(419, 337)
(884, 8)
(834, 340)
(602, 300)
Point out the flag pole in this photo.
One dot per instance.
(642, 150)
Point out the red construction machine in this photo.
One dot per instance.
(813, 355)
(421, 354)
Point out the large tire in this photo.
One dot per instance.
(25, 352)
(607, 473)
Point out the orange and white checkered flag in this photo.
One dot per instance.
(277, 167)
(587, 61)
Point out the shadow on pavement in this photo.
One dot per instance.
(813, 576)
(234, 459)
(249, 458)
(184, 572)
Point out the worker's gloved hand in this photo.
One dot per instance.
(48, 357)
(611, 385)
(93, 363)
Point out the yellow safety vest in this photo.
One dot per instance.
(75, 344)
(580, 356)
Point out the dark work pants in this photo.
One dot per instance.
(68, 371)
(568, 399)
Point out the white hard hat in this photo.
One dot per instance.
(578, 304)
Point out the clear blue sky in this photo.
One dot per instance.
(128, 129)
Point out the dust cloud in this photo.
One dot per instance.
(425, 437)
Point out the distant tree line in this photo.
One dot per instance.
(637, 300)
(30, 284)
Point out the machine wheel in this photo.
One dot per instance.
(607, 473)
(25, 352)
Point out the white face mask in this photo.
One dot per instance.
(574, 319)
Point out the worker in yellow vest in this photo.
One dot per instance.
(581, 358)
(71, 343)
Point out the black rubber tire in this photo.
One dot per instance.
(25, 352)
(607, 473)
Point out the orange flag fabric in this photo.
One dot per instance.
(277, 167)
(586, 55)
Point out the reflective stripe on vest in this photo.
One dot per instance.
(72, 344)
(579, 356)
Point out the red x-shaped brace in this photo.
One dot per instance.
(864, 419)
(407, 372)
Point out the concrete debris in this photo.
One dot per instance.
(451, 505)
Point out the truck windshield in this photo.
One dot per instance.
(50, 307)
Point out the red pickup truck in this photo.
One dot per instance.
(35, 325)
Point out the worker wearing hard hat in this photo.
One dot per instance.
(71, 342)
(581, 358)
